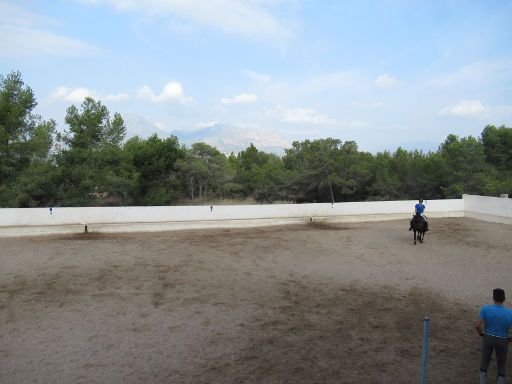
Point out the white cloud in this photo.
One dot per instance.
(77, 95)
(242, 98)
(11, 14)
(208, 124)
(493, 114)
(23, 33)
(255, 76)
(464, 108)
(20, 41)
(475, 74)
(252, 19)
(303, 116)
(386, 81)
(73, 95)
(293, 90)
(172, 91)
(346, 84)
(162, 126)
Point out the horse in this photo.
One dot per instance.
(419, 227)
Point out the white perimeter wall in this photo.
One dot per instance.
(37, 221)
(495, 209)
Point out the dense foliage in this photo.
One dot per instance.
(92, 164)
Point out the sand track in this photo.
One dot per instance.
(293, 304)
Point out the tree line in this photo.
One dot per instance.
(93, 164)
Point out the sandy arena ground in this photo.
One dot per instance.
(295, 304)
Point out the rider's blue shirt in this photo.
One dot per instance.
(419, 208)
(497, 318)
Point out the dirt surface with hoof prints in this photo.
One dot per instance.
(314, 303)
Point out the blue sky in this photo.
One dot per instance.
(382, 73)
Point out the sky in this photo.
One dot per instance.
(382, 73)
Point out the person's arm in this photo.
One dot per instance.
(481, 321)
(478, 327)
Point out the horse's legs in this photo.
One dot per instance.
(414, 236)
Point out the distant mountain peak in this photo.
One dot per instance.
(229, 138)
(137, 125)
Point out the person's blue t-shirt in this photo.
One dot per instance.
(419, 208)
(497, 318)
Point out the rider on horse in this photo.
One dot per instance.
(419, 209)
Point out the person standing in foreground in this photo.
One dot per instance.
(496, 320)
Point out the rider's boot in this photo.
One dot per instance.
(483, 377)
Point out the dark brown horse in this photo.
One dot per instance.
(419, 227)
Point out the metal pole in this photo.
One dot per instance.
(424, 356)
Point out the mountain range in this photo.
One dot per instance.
(229, 138)
(226, 138)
